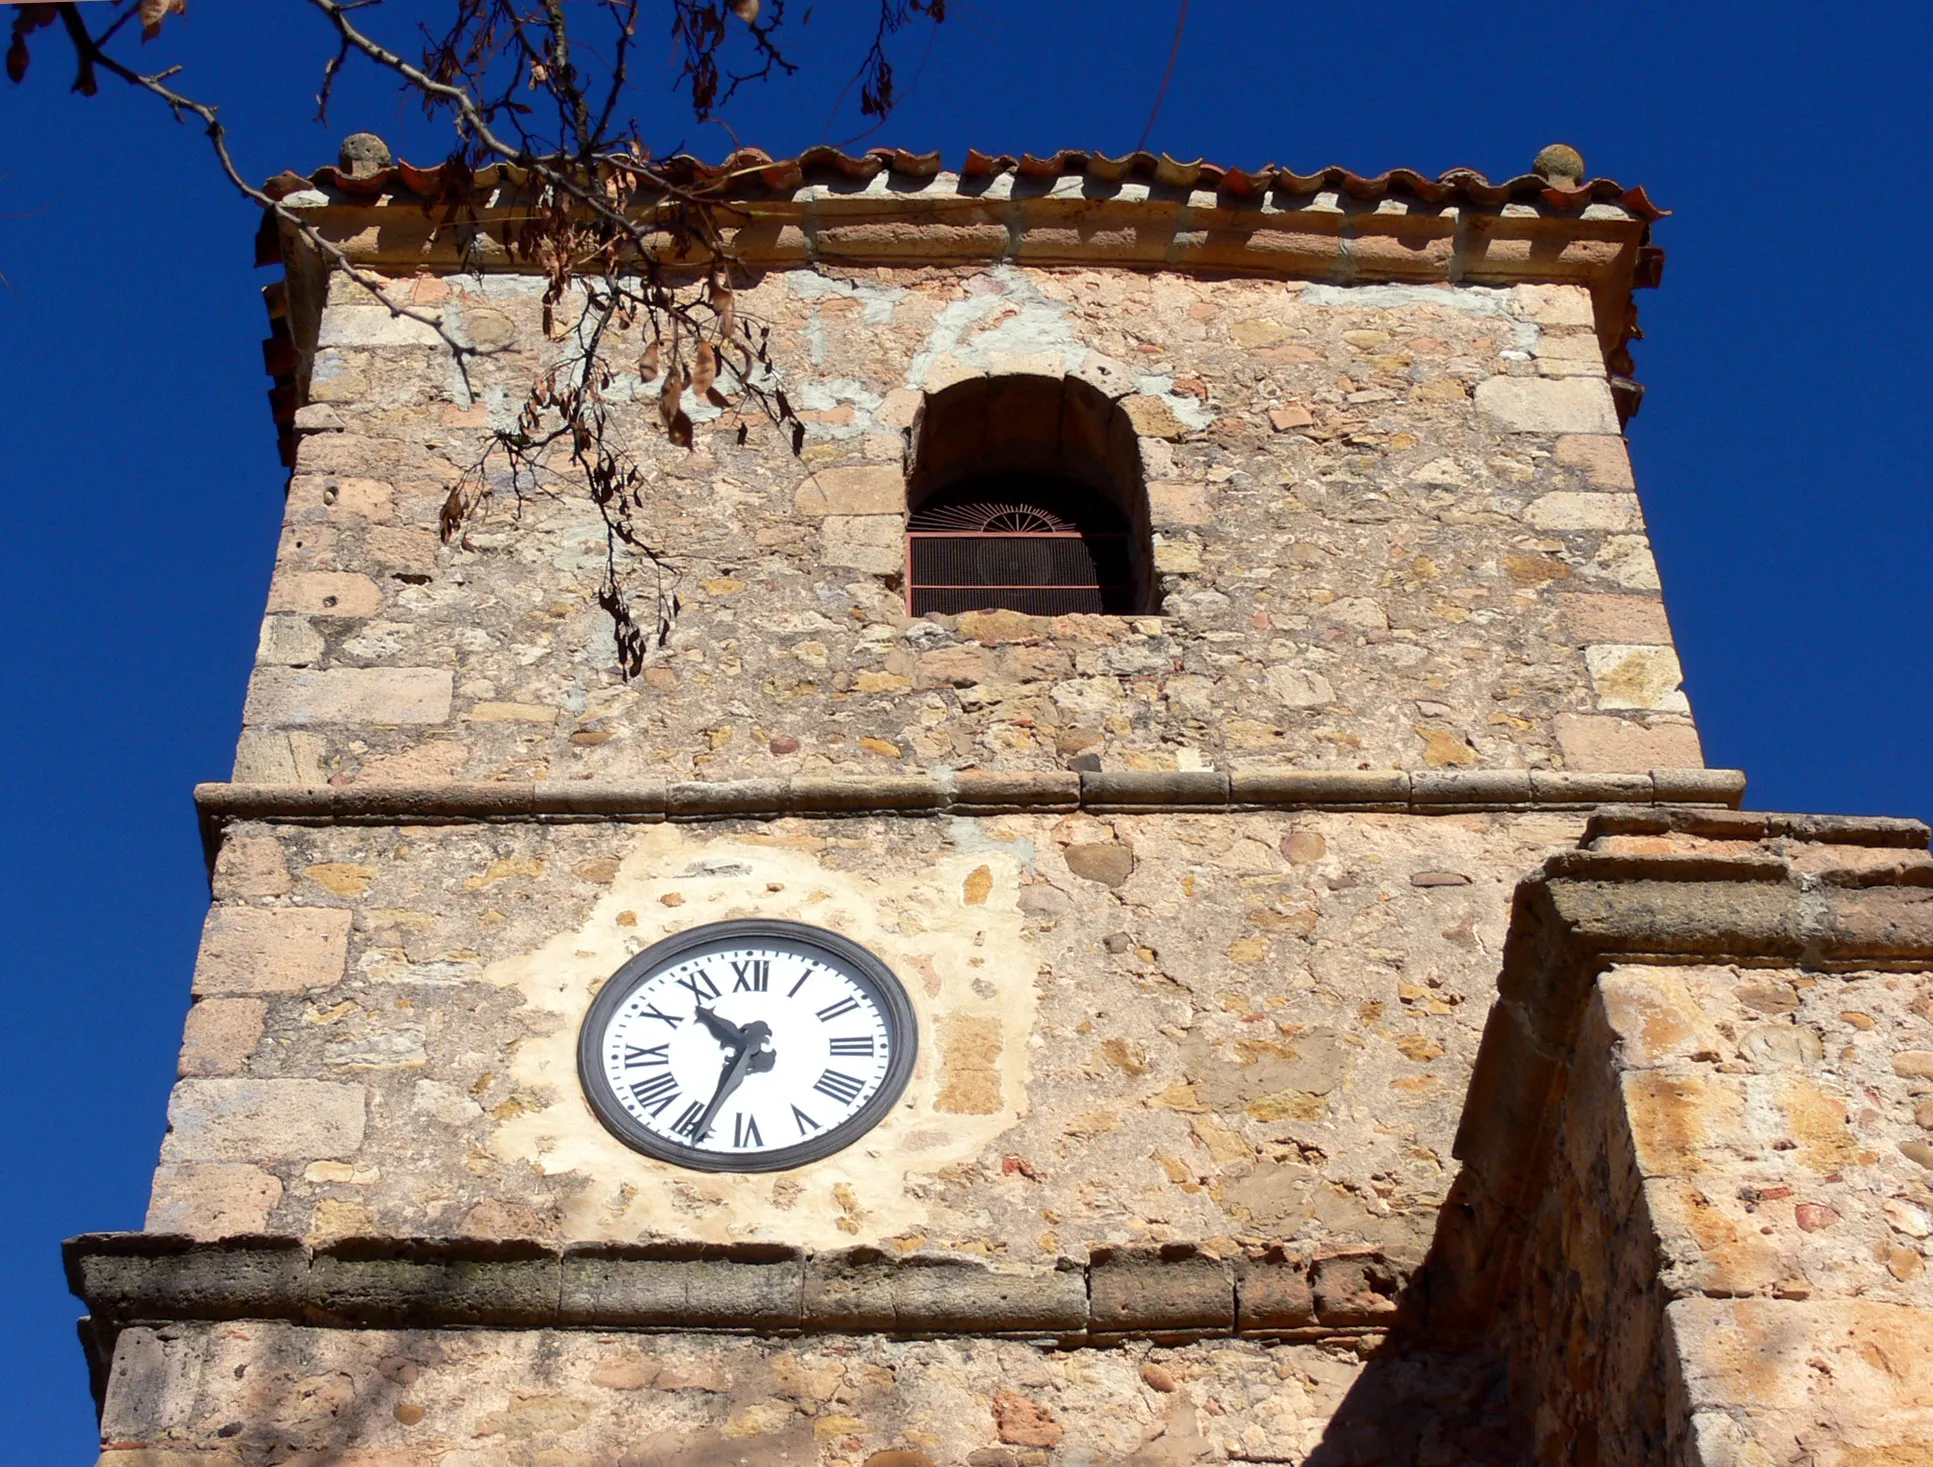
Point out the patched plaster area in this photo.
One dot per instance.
(949, 927)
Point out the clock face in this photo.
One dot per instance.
(748, 1046)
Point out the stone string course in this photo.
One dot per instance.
(356, 1283)
(1421, 792)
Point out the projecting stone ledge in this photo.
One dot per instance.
(1174, 1292)
(1423, 791)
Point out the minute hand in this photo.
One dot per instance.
(749, 1056)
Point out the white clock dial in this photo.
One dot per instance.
(747, 1046)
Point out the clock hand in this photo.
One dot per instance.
(754, 1055)
(723, 1030)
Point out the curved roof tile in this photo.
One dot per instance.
(750, 171)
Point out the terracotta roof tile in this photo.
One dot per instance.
(749, 172)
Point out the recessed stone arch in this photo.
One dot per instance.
(1027, 457)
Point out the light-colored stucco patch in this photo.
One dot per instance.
(966, 965)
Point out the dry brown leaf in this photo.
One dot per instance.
(745, 10)
(153, 12)
(668, 406)
(727, 307)
(705, 372)
(648, 363)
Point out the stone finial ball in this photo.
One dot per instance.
(363, 153)
(1560, 163)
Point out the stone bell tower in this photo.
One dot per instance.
(1183, 661)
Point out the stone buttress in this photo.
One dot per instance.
(1202, 906)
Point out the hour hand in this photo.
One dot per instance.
(723, 1030)
(752, 1056)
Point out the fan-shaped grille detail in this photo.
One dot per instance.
(967, 553)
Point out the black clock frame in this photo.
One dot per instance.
(868, 969)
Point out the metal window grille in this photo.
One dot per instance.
(1003, 556)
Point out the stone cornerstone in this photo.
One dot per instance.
(1355, 1027)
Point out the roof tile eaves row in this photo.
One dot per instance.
(750, 170)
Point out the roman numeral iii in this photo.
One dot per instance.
(861, 1045)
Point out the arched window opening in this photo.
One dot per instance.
(1026, 495)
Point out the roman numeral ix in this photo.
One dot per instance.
(658, 1054)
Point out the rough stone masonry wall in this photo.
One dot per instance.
(1394, 526)
(1723, 1262)
(244, 1395)
(1246, 1030)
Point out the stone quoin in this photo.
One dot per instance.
(1206, 652)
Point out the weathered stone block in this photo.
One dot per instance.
(212, 1200)
(272, 949)
(1273, 1294)
(1604, 459)
(345, 325)
(376, 695)
(1637, 678)
(853, 489)
(220, 1035)
(1178, 503)
(1358, 1288)
(1617, 743)
(127, 1276)
(375, 1282)
(1341, 788)
(1548, 405)
(1636, 620)
(872, 543)
(616, 1287)
(325, 593)
(290, 641)
(250, 866)
(1159, 1292)
(262, 1120)
(1566, 510)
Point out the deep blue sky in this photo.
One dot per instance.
(1781, 451)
